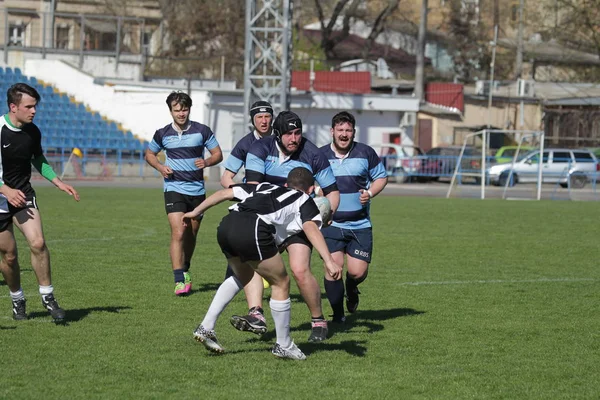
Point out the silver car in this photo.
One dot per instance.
(565, 166)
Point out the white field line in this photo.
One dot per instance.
(144, 235)
(496, 281)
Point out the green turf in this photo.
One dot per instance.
(465, 299)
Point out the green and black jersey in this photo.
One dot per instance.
(18, 148)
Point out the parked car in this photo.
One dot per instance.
(400, 161)
(506, 153)
(440, 162)
(565, 166)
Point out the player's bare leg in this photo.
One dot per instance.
(299, 256)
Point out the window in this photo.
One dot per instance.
(62, 37)
(583, 157)
(16, 34)
(534, 158)
(561, 157)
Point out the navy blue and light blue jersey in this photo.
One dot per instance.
(181, 151)
(237, 157)
(266, 163)
(355, 171)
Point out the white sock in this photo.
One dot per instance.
(281, 310)
(18, 295)
(225, 293)
(46, 290)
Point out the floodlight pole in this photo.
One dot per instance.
(268, 52)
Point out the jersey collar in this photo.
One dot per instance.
(335, 153)
(10, 125)
(181, 132)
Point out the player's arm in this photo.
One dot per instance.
(212, 200)
(216, 156)
(314, 235)
(151, 158)
(14, 196)
(227, 178)
(45, 169)
(377, 176)
(377, 187)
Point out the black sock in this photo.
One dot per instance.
(259, 309)
(186, 266)
(319, 318)
(352, 283)
(178, 274)
(335, 295)
(229, 272)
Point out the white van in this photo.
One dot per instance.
(564, 166)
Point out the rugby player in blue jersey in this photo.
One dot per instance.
(261, 116)
(183, 142)
(270, 160)
(360, 176)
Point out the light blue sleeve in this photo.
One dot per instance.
(233, 164)
(255, 163)
(211, 142)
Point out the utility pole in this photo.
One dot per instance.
(492, 65)
(420, 71)
(519, 62)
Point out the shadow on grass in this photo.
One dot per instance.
(76, 315)
(5, 328)
(206, 287)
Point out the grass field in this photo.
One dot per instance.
(465, 299)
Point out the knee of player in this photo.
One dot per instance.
(301, 272)
(37, 244)
(10, 258)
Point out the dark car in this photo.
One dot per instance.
(440, 162)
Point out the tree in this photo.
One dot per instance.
(471, 55)
(202, 34)
(579, 24)
(374, 13)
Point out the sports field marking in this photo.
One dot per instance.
(147, 233)
(492, 281)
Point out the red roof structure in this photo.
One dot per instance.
(333, 81)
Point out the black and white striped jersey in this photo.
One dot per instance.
(284, 208)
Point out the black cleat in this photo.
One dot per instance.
(50, 303)
(319, 331)
(352, 300)
(19, 309)
(253, 322)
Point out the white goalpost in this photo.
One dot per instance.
(485, 146)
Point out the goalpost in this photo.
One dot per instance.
(485, 145)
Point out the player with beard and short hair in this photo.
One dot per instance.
(21, 142)
(270, 160)
(360, 176)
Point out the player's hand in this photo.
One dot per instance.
(364, 197)
(14, 196)
(334, 270)
(166, 171)
(200, 163)
(69, 189)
